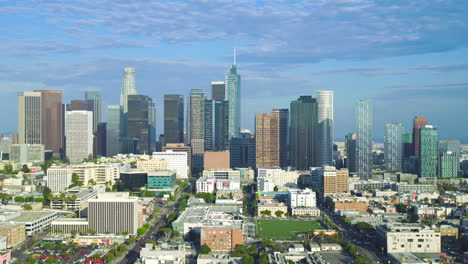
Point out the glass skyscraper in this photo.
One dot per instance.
(350, 145)
(428, 151)
(303, 133)
(364, 139)
(173, 118)
(393, 147)
(195, 115)
(128, 88)
(325, 128)
(140, 125)
(113, 130)
(95, 97)
(233, 96)
(283, 135)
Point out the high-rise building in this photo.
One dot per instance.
(32, 154)
(209, 125)
(195, 115)
(81, 105)
(216, 125)
(52, 116)
(113, 130)
(364, 139)
(325, 128)
(30, 118)
(175, 161)
(140, 122)
(242, 151)
(350, 145)
(78, 135)
(393, 147)
(218, 91)
(101, 140)
(59, 178)
(198, 148)
(267, 140)
(113, 212)
(180, 147)
(283, 136)
(407, 145)
(449, 164)
(419, 122)
(428, 151)
(303, 138)
(450, 145)
(128, 88)
(173, 118)
(233, 95)
(95, 97)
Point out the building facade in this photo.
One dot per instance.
(78, 135)
(393, 147)
(428, 151)
(30, 118)
(233, 95)
(59, 178)
(243, 151)
(52, 116)
(173, 118)
(141, 123)
(113, 129)
(195, 115)
(325, 128)
(175, 161)
(364, 139)
(267, 140)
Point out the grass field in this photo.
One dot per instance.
(283, 229)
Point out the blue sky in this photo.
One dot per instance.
(409, 57)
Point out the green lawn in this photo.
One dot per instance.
(283, 229)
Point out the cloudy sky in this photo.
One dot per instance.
(409, 57)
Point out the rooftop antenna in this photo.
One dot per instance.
(234, 56)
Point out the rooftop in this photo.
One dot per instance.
(32, 216)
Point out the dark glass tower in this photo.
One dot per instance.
(221, 125)
(139, 122)
(283, 135)
(242, 151)
(174, 118)
(303, 133)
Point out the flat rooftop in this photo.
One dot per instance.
(31, 216)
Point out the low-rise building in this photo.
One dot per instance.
(67, 225)
(347, 202)
(31, 154)
(76, 199)
(59, 178)
(401, 238)
(102, 174)
(161, 181)
(165, 253)
(14, 233)
(279, 176)
(35, 221)
(221, 239)
(210, 184)
(272, 207)
(416, 188)
(305, 211)
(151, 164)
(218, 259)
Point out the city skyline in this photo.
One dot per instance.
(387, 65)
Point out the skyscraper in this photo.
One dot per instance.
(428, 151)
(128, 88)
(407, 144)
(30, 118)
(218, 91)
(174, 118)
(267, 140)
(221, 125)
(449, 164)
(242, 151)
(233, 96)
(325, 128)
(209, 125)
(52, 116)
(81, 105)
(139, 123)
(78, 135)
(303, 133)
(113, 130)
(100, 140)
(393, 147)
(419, 122)
(195, 115)
(364, 139)
(350, 142)
(283, 115)
(95, 97)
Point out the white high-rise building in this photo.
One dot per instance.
(59, 178)
(175, 161)
(29, 118)
(78, 135)
(113, 212)
(128, 88)
(325, 128)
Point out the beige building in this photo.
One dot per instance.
(99, 173)
(414, 238)
(335, 181)
(15, 233)
(216, 160)
(267, 140)
(152, 164)
(273, 207)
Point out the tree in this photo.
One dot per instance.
(265, 212)
(246, 259)
(205, 249)
(167, 233)
(275, 188)
(279, 213)
(19, 199)
(8, 168)
(150, 241)
(267, 243)
(47, 194)
(363, 226)
(413, 218)
(263, 258)
(401, 208)
(39, 200)
(74, 233)
(25, 168)
(27, 207)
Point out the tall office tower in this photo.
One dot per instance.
(128, 88)
(242, 151)
(195, 115)
(393, 147)
(113, 129)
(428, 151)
(180, 147)
(174, 118)
(267, 140)
(303, 133)
(52, 120)
(350, 145)
(450, 146)
(100, 140)
(139, 123)
(78, 135)
(209, 125)
(233, 96)
(29, 118)
(325, 128)
(407, 144)
(113, 212)
(364, 139)
(95, 97)
(283, 136)
(218, 91)
(449, 164)
(81, 105)
(198, 148)
(221, 125)
(419, 122)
